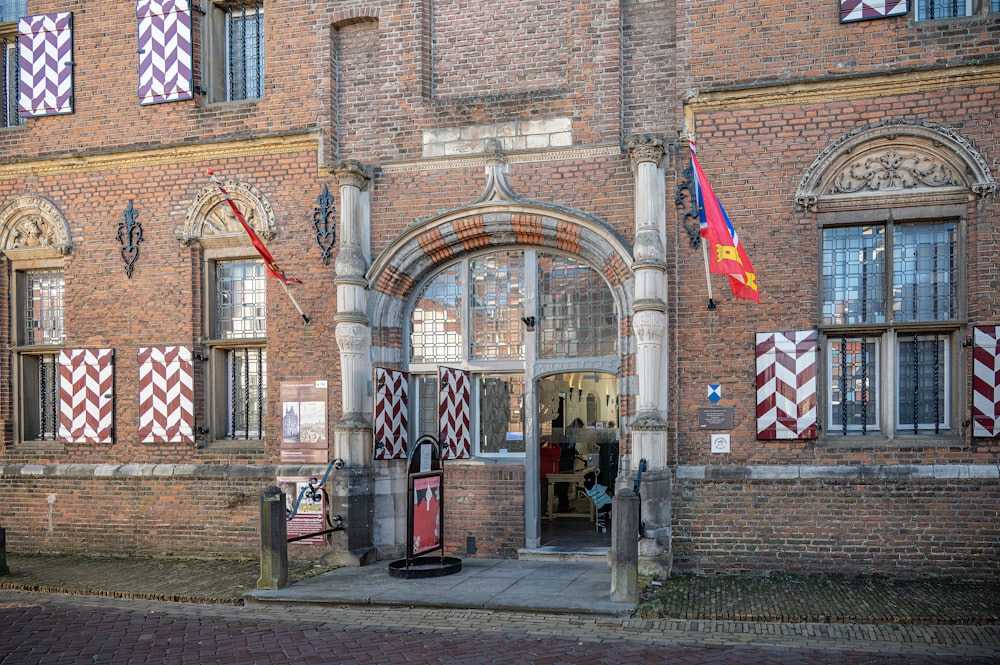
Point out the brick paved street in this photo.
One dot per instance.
(49, 628)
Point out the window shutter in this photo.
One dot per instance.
(166, 395)
(86, 395)
(45, 52)
(986, 381)
(786, 385)
(454, 413)
(164, 50)
(863, 10)
(391, 404)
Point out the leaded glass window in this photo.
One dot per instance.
(880, 284)
(853, 264)
(577, 310)
(497, 284)
(436, 321)
(501, 421)
(44, 314)
(923, 270)
(241, 303)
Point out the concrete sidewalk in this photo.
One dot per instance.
(487, 584)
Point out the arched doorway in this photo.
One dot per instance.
(523, 323)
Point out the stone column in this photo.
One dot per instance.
(649, 323)
(352, 488)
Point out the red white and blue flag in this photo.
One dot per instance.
(726, 255)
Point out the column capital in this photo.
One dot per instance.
(351, 173)
(645, 148)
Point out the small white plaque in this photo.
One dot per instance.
(720, 443)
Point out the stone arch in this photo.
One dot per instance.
(895, 163)
(33, 227)
(492, 224)
(211, 221)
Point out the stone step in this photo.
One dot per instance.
(556, 553)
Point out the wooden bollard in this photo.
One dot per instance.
(625, 547)
(4, 570)
(273, 540)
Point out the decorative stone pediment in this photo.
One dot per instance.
(211, 221)
(33, 228)
(895, 163)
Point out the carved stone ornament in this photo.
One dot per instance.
(32, 227)
(352, 338)
(645, 148)
(896, 163)
(211, 221)
(351, 173)
(649, 326)
(893, 170)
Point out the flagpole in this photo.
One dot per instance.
(272, 267)
(708, 276)
(294, 301)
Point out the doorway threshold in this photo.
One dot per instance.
(565, 553)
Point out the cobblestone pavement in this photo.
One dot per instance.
(64, 609)
(38, 628)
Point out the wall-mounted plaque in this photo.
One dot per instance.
(715, 417)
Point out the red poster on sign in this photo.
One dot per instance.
(427, 508)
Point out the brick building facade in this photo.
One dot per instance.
(489, 210)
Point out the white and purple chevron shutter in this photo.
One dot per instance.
(786, 385)
(45, 53)
(86, 394)
(863, 10)
(164, 50)
(166, 394)
(453, 403)
(986, 381)
(391, 418)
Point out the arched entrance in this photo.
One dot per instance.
(506, 293)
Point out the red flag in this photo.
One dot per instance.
(272, 267)
(726, 254)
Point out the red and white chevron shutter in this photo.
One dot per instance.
(391, 404)
(453, 404)
(164, 50)
(45, 54)
(86, 395)
(786, 385)
(166, 395)
(986, 381)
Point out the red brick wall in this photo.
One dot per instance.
(200, 515)
(731, 43)
(900, 528)
(485, 503)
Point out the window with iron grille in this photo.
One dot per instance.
(890, 319)
(40, 335)
(928, 10)
(8, 61)
(10, 12)
(245, 51)
(233, 49)
(239, 356)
